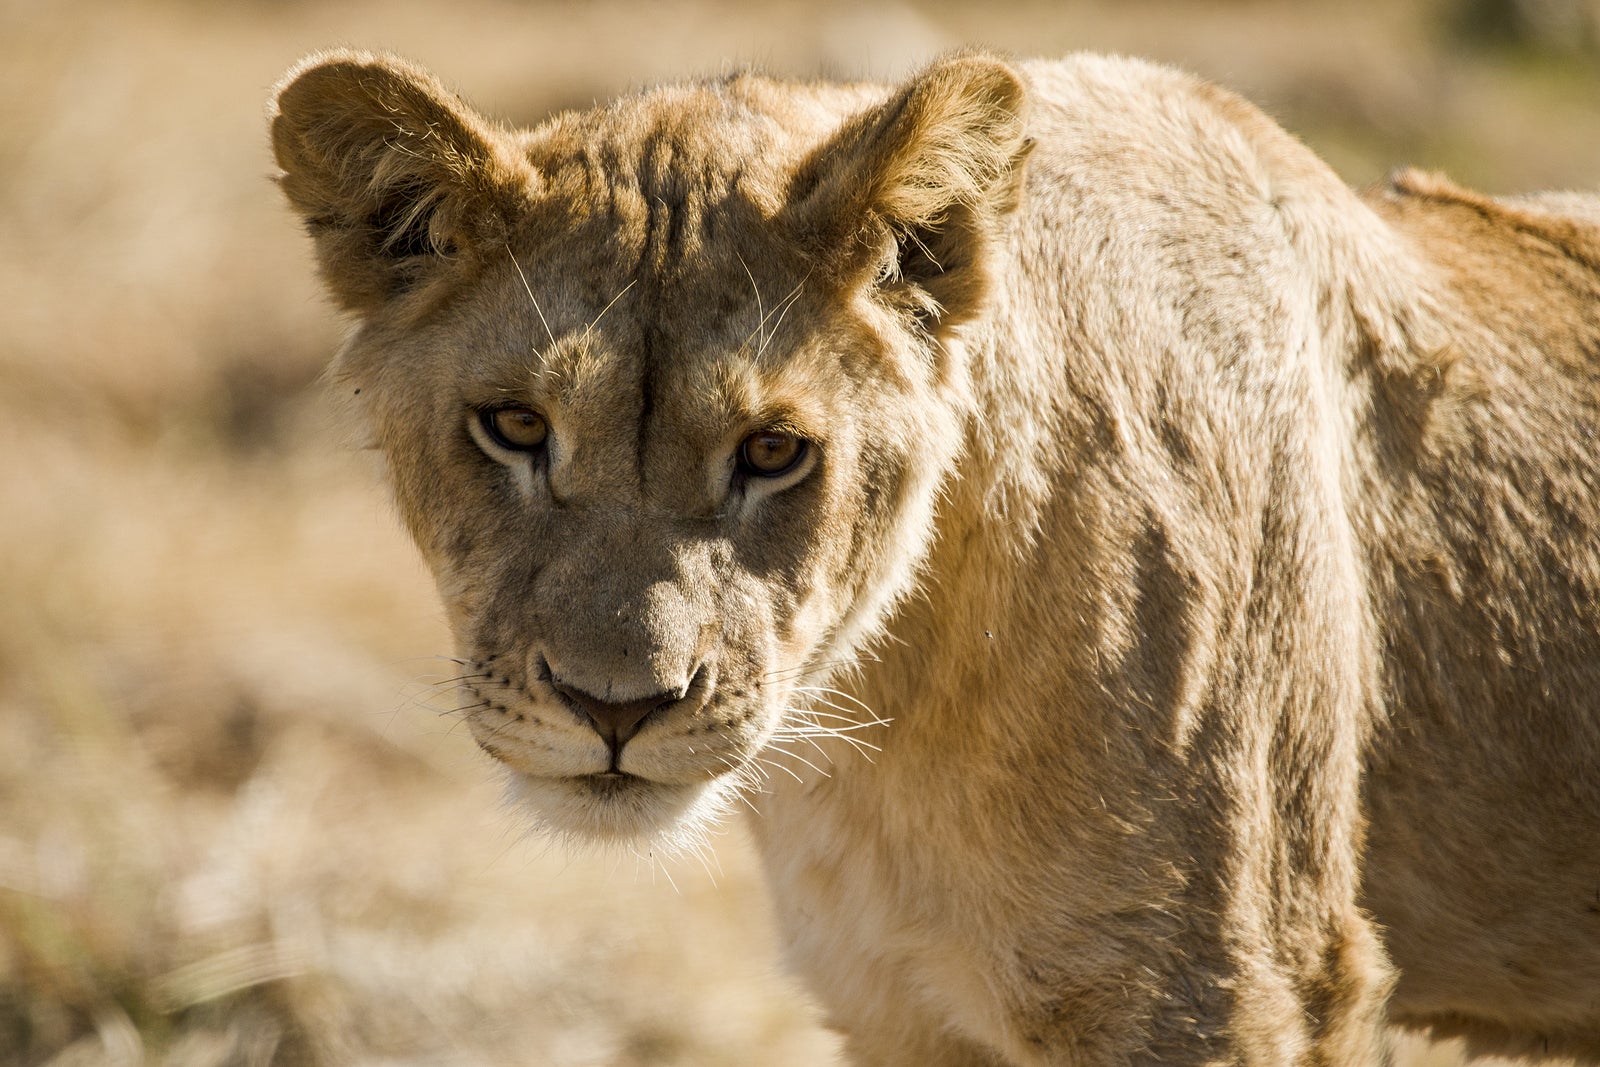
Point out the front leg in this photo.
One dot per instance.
(913, 1039)
(1205, 1010)
(1223, 997)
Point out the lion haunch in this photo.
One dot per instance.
(1210, 554)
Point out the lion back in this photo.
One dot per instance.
(1484, 535)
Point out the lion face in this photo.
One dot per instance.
(653, 528)
(667, 393)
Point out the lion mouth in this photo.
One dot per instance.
(608, 783)
(617, 806)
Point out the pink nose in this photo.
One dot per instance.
(614, 721)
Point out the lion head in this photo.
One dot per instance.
(667, 389)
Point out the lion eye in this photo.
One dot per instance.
(769, 453)
(517, 429)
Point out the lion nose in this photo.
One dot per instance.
(614, 721)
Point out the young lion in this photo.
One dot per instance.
(1209, 556)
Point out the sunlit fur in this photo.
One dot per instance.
(1181, 642)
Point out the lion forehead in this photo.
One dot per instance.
(661, 176)
(697, 143)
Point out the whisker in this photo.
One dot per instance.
(787, 303)
(822, 692)
(657, 865)
(738, 793)
(791, 673)
(850, 723)
(784, 735)
(587, 330)
(840, 723)
(788, 298)
(434, 700)
(795, 755)
(547, 331)
(761, 318)
(843, 733)
(749, 776)
(866, 715)
(781, 767)
(865, 748)
(457, 680)
(850, 719)
(700, 849)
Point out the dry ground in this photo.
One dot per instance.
(235, 827)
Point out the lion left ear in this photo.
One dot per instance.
(909, 195)
(392, 173)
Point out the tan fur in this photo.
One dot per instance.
(1222, 548)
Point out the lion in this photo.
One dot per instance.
(1146, 593)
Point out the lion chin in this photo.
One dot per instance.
(607, 810)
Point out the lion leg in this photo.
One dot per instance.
(885, 1023)
(1276, 982)
(915, 1043)
(1261, 1008)
(1316, 999)
(1257, 955)
(1349, 997)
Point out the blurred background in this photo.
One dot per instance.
(237, 824)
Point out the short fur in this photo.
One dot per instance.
(1211, 554)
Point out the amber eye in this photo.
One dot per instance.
(517, 429)
(769, 453)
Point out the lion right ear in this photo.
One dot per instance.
(393, 175)
(909, 195)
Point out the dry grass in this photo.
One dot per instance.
(237, 828)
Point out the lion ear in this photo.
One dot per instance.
(910, 194)
(393, 175)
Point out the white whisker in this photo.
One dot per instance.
(587, 330)
(747, 776)
(778, 766)
(851, 722)
(865, 748)
(529, 289)
(830, 691)
(761, 318)
(787, 303)
(845, 734)
(806, 734)
(655, 865)
(777, 744)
